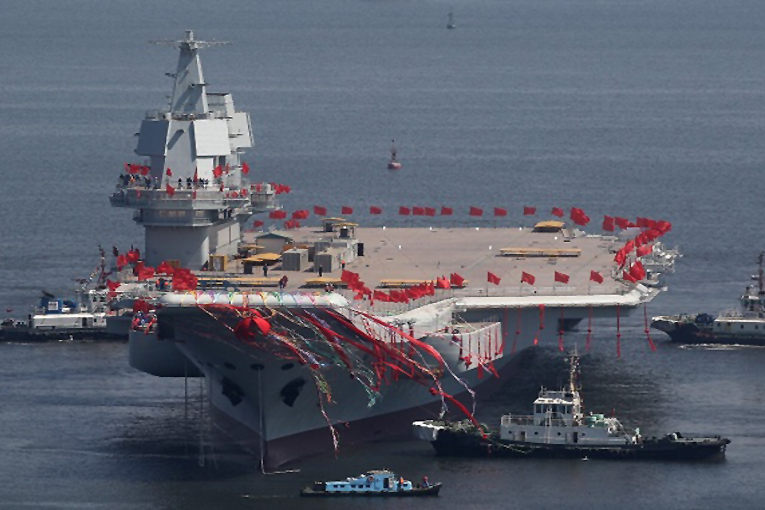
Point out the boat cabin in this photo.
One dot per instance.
(558, 419)
(371, 481)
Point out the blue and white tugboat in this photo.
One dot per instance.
(379, 482)
(558, 428)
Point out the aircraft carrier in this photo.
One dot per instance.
(314, 336)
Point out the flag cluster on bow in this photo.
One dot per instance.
(641, 245)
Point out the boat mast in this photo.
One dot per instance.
(759, 273)
(573, 372)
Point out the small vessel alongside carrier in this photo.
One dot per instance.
(745, 326)
(558, 428)
(380, 482)
(83, 317)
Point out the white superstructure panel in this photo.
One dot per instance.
(211, 137)
(240, 131)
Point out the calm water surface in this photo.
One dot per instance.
(627, 108)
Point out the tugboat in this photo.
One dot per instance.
(742, 327)
(380, 482)
(393, 164)
(559, 429)
(81, 318)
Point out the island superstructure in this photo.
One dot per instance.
(192, 197)
(335, 333)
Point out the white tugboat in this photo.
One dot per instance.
(559, 428)
(380, 482)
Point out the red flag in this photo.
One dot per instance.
(277, 215)
(145, 170)
(529, 211)
(596, 277)
(168, 172)
(561, 277)
(144, 272)
(620, 257)
(442, 283)
(245, 168)
(621, 222)
(418, 211)
(379, 295)
(165, 268)
(257, 223)
(644, 250)
(456, 280)
(346, 210)
(183, 279)
(608, 223)
(476, 211)
(637, 271)
(403, 211)
(349, 277)
(557, 211)
(628, 277)
(579, 217)
(528, 278)
(430, 211)
(663, 226)
(446, 211)
(217, 171)
(319, 210)
(374, 210)
(300, 215)
(493, 278)
(498, 211)
(112, 285)
(170, 190)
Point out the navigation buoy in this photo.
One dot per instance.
(393, 164)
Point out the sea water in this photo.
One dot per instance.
(651, 108)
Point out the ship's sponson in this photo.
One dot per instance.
(254, 299)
